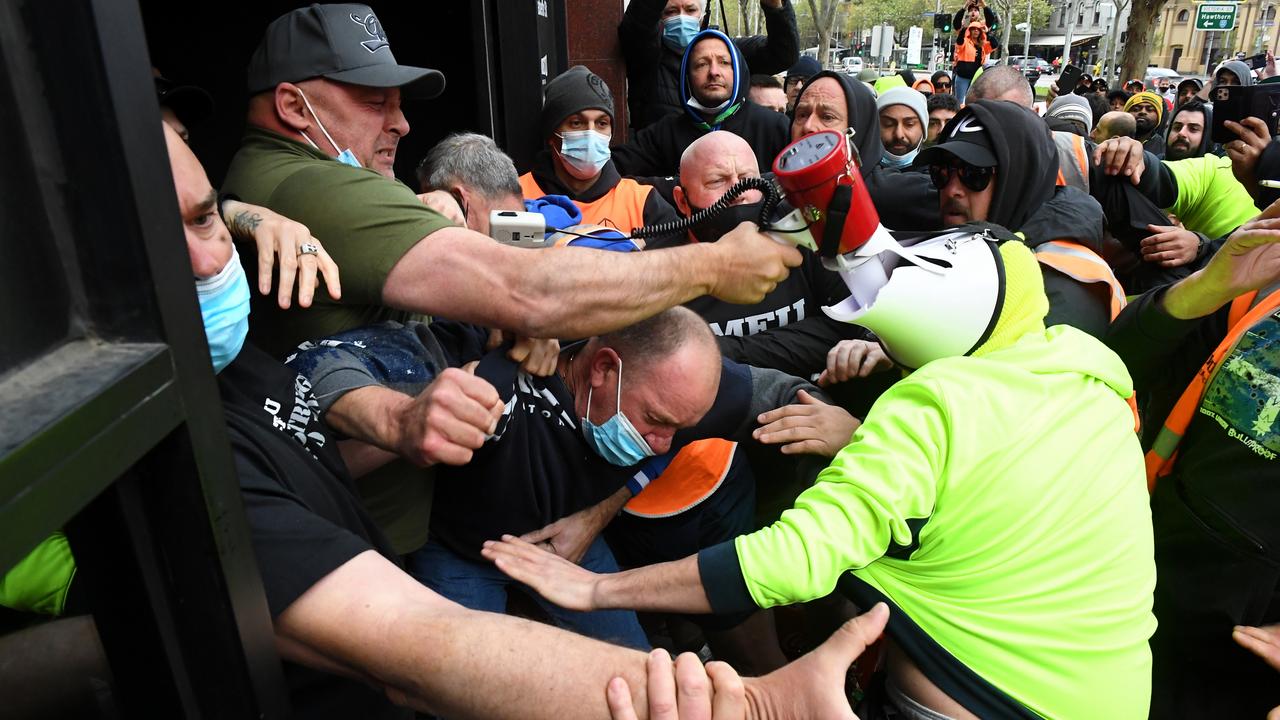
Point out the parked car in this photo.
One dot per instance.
(1044, 66)
(1029, 66)
(1165, 75)
(853, 65)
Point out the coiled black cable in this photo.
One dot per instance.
(772, 196)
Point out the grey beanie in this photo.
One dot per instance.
(1072, 107)
(573, 91)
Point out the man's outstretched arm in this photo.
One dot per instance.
(370, 620)
(852, 515)
(576, 292)
(674, 586)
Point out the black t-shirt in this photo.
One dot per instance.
(304, 518)
(786, 330)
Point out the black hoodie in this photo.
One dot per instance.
(1206, 138)
(653, 69)
(905, 199)
(656, 149)
(1027, 200)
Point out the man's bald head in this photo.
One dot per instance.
(1002, 82)
(1116, 123)
(710, 166)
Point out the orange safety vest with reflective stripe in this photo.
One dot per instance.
(693, 475)
(1073, 160)
(1079, 262)
(621, 208)
(1084, 265)
(1242, 316)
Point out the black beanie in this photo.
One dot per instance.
(573, 91)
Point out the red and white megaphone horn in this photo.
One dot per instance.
(819, 175)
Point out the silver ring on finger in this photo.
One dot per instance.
(309, 248)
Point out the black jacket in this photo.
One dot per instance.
(1027, 199)
(656, 149)
(1217, 542)
(786, 330)
(653, 69)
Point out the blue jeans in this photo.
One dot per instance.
(960, 86)
(484, 587)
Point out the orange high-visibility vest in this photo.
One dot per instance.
(1242, 316)
(1073, 160)
(1079, 262)
(693, 475)
(621, 208)
(1084, 265)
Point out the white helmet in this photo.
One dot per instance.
(937, 297)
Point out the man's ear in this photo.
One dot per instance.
(603, 361)
(290, 109)
(682, 202)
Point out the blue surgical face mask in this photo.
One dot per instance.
(890, 160)
(585, 151)
(224, 307)
(617, 440)
(678, 31)
(346, 157)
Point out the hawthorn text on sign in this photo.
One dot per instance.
(1216, 16)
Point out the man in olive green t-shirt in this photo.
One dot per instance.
(324, 122)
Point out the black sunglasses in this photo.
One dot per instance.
(942, 85)
(975, 178)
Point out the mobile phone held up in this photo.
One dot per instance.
(1237, 102)
(1068, 80)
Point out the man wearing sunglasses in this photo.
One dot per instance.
(995, 162)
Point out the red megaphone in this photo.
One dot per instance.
(821, 179)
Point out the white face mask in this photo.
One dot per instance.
(346, 157)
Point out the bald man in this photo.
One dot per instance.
(786, 331)
(1002, 82)
(709, 167)
(1116, 123)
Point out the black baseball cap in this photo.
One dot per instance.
(190, 103)
(344, 43)
(964, 138)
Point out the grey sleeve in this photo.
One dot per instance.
(772, 389)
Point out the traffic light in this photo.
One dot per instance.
(942, 22)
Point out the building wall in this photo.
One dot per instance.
(1176, 28)
(593, 41)
(1089, 21)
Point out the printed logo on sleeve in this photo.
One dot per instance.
(1244, 395)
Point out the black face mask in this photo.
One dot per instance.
(719, 225)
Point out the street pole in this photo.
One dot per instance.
(1208, 68)
(1026, 41)
(937, 63)
(1071, 27)
(1115, 40)
(1262, 36)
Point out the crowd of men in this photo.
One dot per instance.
(1027, 432)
